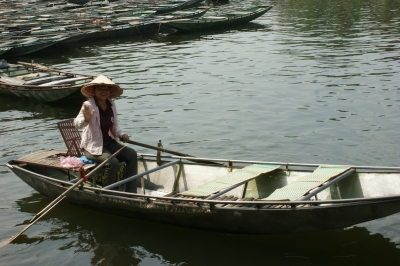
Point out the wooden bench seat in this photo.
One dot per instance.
(230, 180)
(302, 186)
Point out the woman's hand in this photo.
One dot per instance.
(87, 113)
(125, 138)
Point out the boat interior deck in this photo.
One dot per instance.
(303, 185)
(194, 184)
(229, 181)
(48, 158)
(27, 74)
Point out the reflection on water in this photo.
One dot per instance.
(28, 126)
(183, 37)
(39, 110)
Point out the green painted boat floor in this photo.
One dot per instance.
(304, 184)
(231, 179)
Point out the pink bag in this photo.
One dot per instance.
(70, 162)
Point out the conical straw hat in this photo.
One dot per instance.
(88, 89)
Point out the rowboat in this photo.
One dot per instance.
(222, 20)
(39, 83)
(137, 23)
(30, 28)
(28, 45)
(233, 196)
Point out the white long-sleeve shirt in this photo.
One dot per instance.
(92, 138)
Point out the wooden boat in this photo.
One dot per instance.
(37, 27)
(136, 23)
(218, 21)
(234, 196)
(38, 83)
(28, 45)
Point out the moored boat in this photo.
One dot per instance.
(28, 45)
(39, 83)
(136, 23)
(234, 196)
(222, 20)
(30, 28)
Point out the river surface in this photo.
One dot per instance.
(308, 82)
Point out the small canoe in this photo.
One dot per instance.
(39, 83)
(224, 20)
(28, 45)
(137, 23)
(233, 196)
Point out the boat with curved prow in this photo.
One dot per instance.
(233, 196)
(222, 20)
(39, 83)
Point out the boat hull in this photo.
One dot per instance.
(214, 22)
(30, 45)
(122, 31)
(43, 95)
(39, 83)
(230, 220)
(28, 49)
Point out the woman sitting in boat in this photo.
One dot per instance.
(98, 119)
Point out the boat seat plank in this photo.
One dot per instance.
(238, 177)
(305, 184)
(236, 13)
(16, 72)
(43, 79)
(11, 81)
(49, 158)
(63, 81)
(213, 18)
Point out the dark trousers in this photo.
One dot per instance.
(127, 155)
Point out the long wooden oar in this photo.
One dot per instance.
(169, 151)
(56, 201)
(52, 69)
